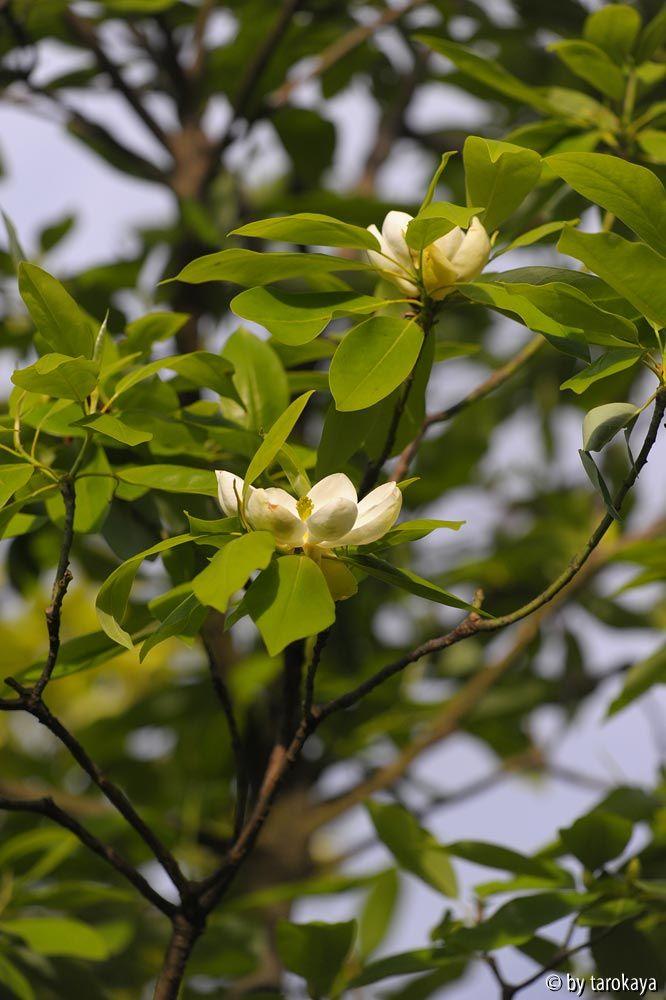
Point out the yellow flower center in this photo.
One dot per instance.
(304, 506)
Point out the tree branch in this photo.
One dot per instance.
(496, 379)
(62, 580)
(47, 807)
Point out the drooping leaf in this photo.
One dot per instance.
(231, 567)
(374, 358)
(415, 849)
(290, 600)
(316, 951)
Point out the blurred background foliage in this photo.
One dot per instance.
(241, 110)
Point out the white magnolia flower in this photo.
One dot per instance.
(330, 515)
(457, 256)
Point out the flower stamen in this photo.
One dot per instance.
(304, 506)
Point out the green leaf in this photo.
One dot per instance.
(217, 526)
(85, 652)
(602, 423)
(374, 358)
(378, 911)
(16, 251)
(315, 951)
(14, 980)
(114, 593)
(290, 600)
(408, 962)
(614, 28)
(597, 838)
(250, 267)
(652, 37)
(488, 72)
(311, 229)
(60, 376)
(259, 379)
(640, 678)
(593, 65)
(297, 319)
(142, 333)
(185, 619)
(495, 856)
(414, 848)
(95, 487)
(51, 235)
(64, 326)
(405, 580)
(170, 478)
(201, 368)
(599, 483)
(499, 176)
(635, 271)
(534, 235)
(112, 427)
(631, 192)
(12, 478)
(436, 220)
(513, 923)
(653, 143)
(411, 531)
(231, 568)
(275, 439)
(608, 364)
(58, 936)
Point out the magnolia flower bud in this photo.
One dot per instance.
(395, 258)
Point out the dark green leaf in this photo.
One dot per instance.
(54, 312)
(231, 567)
(315, 951)
(414, 848)
(374, 358)
(597, 838)
(290, 600)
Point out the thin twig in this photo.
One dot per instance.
(46, 807)
(496, 379)
(222, 692)
(339, 49)
(319, 645)
(61, 582)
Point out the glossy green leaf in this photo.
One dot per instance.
(631, 192)
(415, 849)
(275, 439)
(597, 838)
(411, 531)
(296, 319)
(641, 678)
(311, 229)
(290, 600)
(58, 936)
(653, 143)
(201, 368)
(112, 427)
(374, 358)
(603, 422)
(592, 64)
(142, 333)
(608, 364)
(250, 267)
(614, 28)
(405, 580)
(12, 478)
(498, 175)
(62, 324)
(185, 619)
(439, 218)
(259, 379)
(316, 951)
(114, 593)
(231, 568)
(170, 478)
(60, 376)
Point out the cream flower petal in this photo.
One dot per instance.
(471, 257)
(274, 510)
(377, 513)
(332, 487)
(332, 520)
(393, 236)
(449, 244)
(226, 494)
(438, 272)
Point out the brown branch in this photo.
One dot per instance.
(311, 676)
(32, 703)
(183, 938)
(339, 49)
(494, 381)
(46, 807)
(62, 580)
(86, 35)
